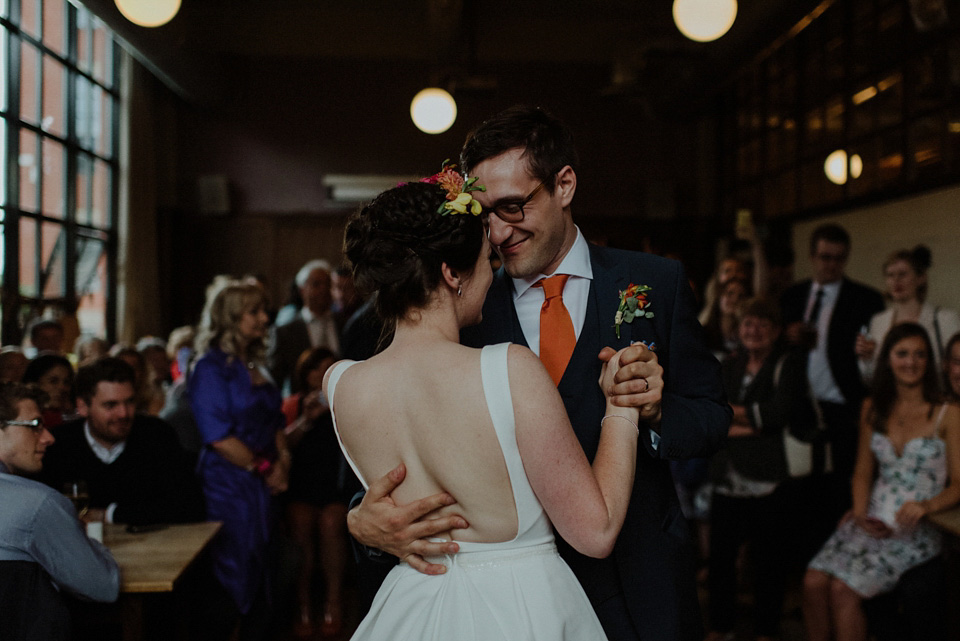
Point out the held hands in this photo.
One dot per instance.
(638, 380)
(872, 526)
(378, 522)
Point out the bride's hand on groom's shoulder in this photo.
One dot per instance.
(637, 380)
(378, 522)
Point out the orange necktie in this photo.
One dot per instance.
(557, 338)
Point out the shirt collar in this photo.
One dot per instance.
(106, 454)
(576, 263)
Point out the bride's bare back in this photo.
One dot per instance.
(426, 408)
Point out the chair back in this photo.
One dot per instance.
(31, 608)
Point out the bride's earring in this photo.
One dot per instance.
(459, 290)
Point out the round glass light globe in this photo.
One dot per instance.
(704, 20)
(148, 13)
(835, 166)
(433, 110)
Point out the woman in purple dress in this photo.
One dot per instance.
(244, 460)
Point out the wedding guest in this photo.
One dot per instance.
(314, 326)
(180, 350)
(527, 161)
(509, 465)
(44, 551)
(53, 373)
(89, 348)
(244, 460)
(951, 368)
(823, 315)
(343, 291)
(908, 466)
(905, 274)
(722, 320)
(148, 399)
(767, 387)
(46, 335)
(730, 268)
(133, 465)
(316, 499)
(13, 364)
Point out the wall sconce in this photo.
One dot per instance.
(836, 167)
(148, 13)
(433, 110)
(704, 20)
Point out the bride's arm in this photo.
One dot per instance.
(587, 504)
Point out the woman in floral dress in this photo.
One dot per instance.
(910, 441)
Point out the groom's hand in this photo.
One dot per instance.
(639, 381)
(378, 522)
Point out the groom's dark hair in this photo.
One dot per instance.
(547, 141)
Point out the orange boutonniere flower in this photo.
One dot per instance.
(633, 303)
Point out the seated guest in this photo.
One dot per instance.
(53, 374)
(44, 551)
(13, 364)
(908, 466)
(147, 399)
(89, 348)
(135, 469)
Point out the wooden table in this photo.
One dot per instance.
(153, 562)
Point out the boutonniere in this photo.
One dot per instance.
(633, 303)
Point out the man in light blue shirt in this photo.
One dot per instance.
(40, 526)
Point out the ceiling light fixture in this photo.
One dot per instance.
(836, 167)
(433, 110)
(148, 13)
(704, 20)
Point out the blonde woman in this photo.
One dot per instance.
(244, 460)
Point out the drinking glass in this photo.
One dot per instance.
(76, 491)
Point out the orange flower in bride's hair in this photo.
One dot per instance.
(458, 190)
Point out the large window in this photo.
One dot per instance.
(58, 110)
(873, 85)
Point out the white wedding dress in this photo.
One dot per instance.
(518, 590)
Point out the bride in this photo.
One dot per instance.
(485, 425)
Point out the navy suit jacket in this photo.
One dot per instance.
(651, 565)
(855, 305)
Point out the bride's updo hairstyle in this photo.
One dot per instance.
(398, 243)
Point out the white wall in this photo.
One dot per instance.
(932, 219)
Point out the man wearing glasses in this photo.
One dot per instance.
(526, 160)
(44, 549)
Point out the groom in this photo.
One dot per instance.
(644, 590)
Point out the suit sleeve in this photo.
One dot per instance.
(76, 564)
(695, 413)
(789, 405)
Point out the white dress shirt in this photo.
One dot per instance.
(107, 455)
(528, 300)
(822, 383)
(322, 329)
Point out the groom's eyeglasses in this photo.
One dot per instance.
(511, 211)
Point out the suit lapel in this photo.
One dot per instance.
(609, 279)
